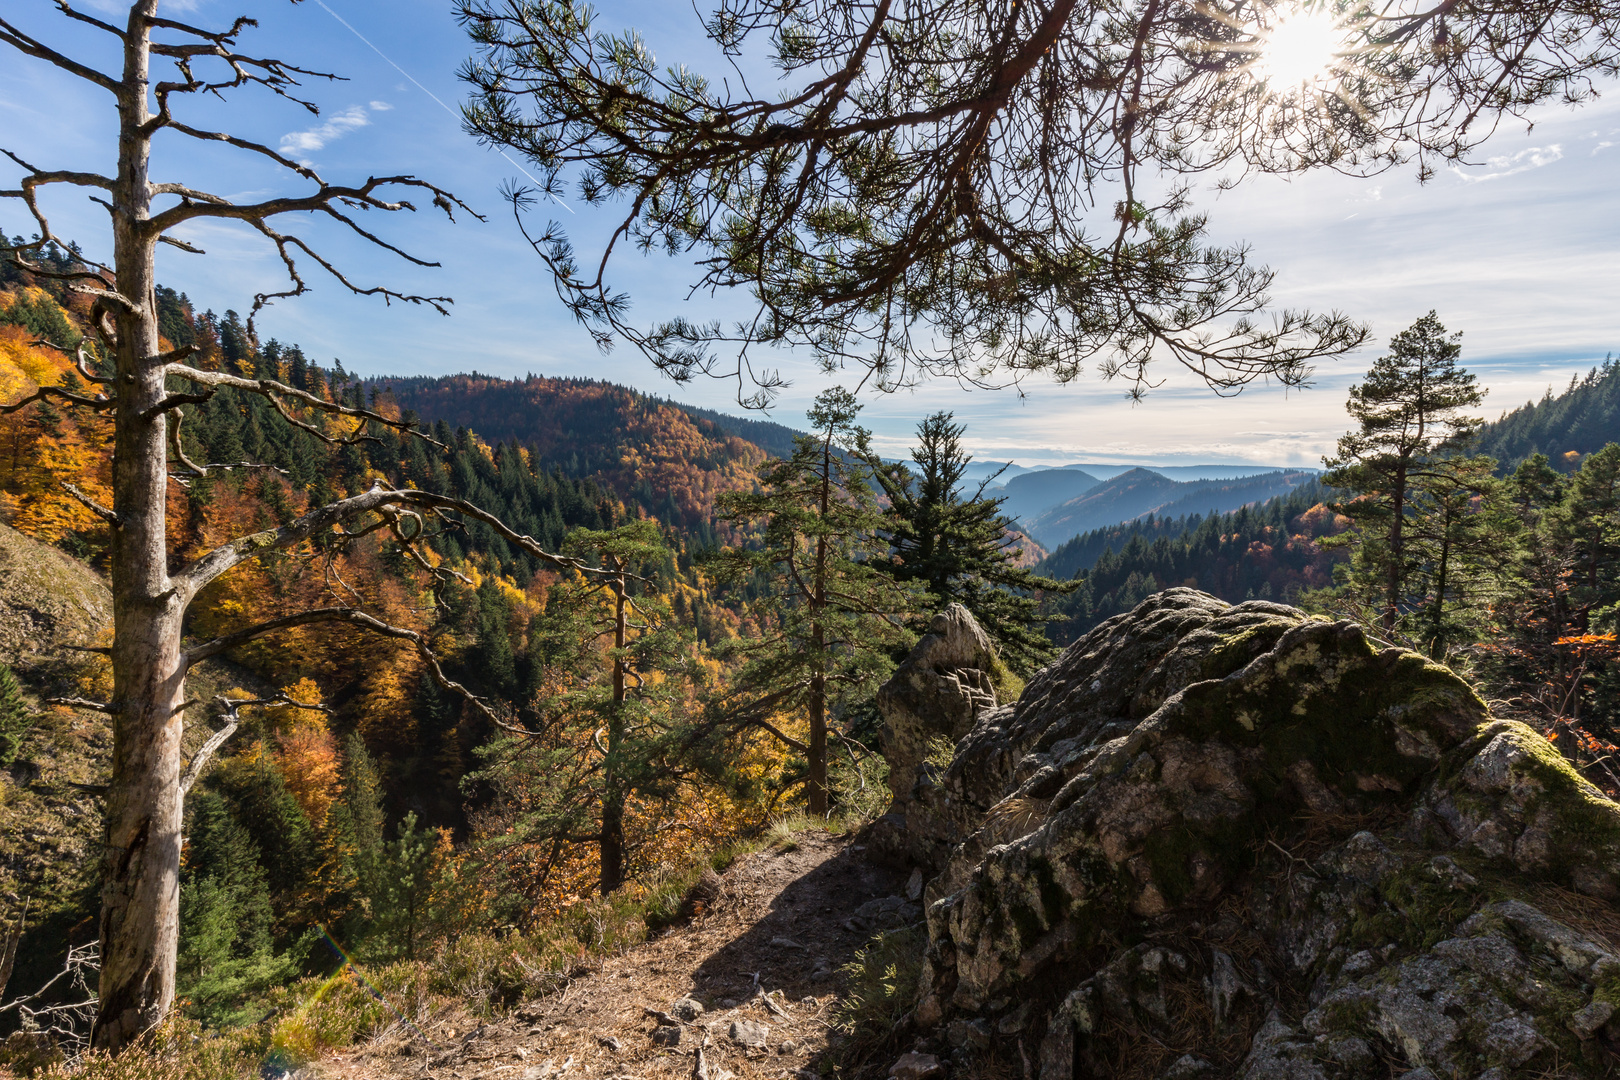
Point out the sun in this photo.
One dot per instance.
(1299, 51)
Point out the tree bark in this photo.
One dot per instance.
(1397, 541)
(613, 796)
(141, 857)
(818, 645)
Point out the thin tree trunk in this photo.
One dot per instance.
(818, 645)
(611, 846)
(141, 856)
(1437, 645)
(1397, 543)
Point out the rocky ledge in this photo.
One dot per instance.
(1236, 841)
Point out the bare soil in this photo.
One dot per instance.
(779, 924)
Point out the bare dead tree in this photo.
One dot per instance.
(140, 899)
(980, 189)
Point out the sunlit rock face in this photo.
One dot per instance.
(1216, 840)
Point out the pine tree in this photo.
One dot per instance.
(613, 713)
(959, 547)
(226, 919)
(1410, 407)
(833, 617)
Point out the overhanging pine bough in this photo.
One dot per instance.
(140, 904)
(956, 187)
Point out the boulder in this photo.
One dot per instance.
(1241, 841)
(931, 701)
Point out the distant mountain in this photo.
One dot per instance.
(1141, 491)
(979, 470)
(1186, 472)
(1030, 493)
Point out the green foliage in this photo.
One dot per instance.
(1581, 420)
(226, 951)
(1411, 423)
(958, 547)
(611, 715)
(15, 717)
(404, 879)
(833, 617)
(882, 986)
(41, 318)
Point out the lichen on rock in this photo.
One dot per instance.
(1241, 841)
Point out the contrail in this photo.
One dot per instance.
(431, 94)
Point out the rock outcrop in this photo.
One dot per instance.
(1236, 841)
(932, 701)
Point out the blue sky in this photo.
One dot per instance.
(1518, 251)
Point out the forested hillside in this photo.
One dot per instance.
(1580, 421)
(1270, 551)
(656, 454)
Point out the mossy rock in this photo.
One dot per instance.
(1167, 815)
(1509, 795)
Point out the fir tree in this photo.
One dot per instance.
(957, 545)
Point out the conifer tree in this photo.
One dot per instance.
(957, 545)
(15, 718)
(833, 615)
(613, 718)
(1412, 405)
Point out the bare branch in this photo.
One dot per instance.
(79, 359)
(94, 507)
(11, 35)
(231, 709)
(365, 621)
(275, 391)
(100, 403)
(84, 703)
(182, 245)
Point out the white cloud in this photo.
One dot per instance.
(380, 106)
(1509, 165)
(1604, 145)
(316, 138)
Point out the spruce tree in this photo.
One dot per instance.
(958, 547)
(833, 617)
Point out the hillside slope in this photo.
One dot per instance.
(50, 796)
(1584, 418)
(645, 450)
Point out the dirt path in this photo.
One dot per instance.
(784, 921)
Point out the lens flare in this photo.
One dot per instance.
(1301, 50)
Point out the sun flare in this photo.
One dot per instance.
(1301, 50)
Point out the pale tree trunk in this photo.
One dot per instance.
(141, 853)
(141, 858)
